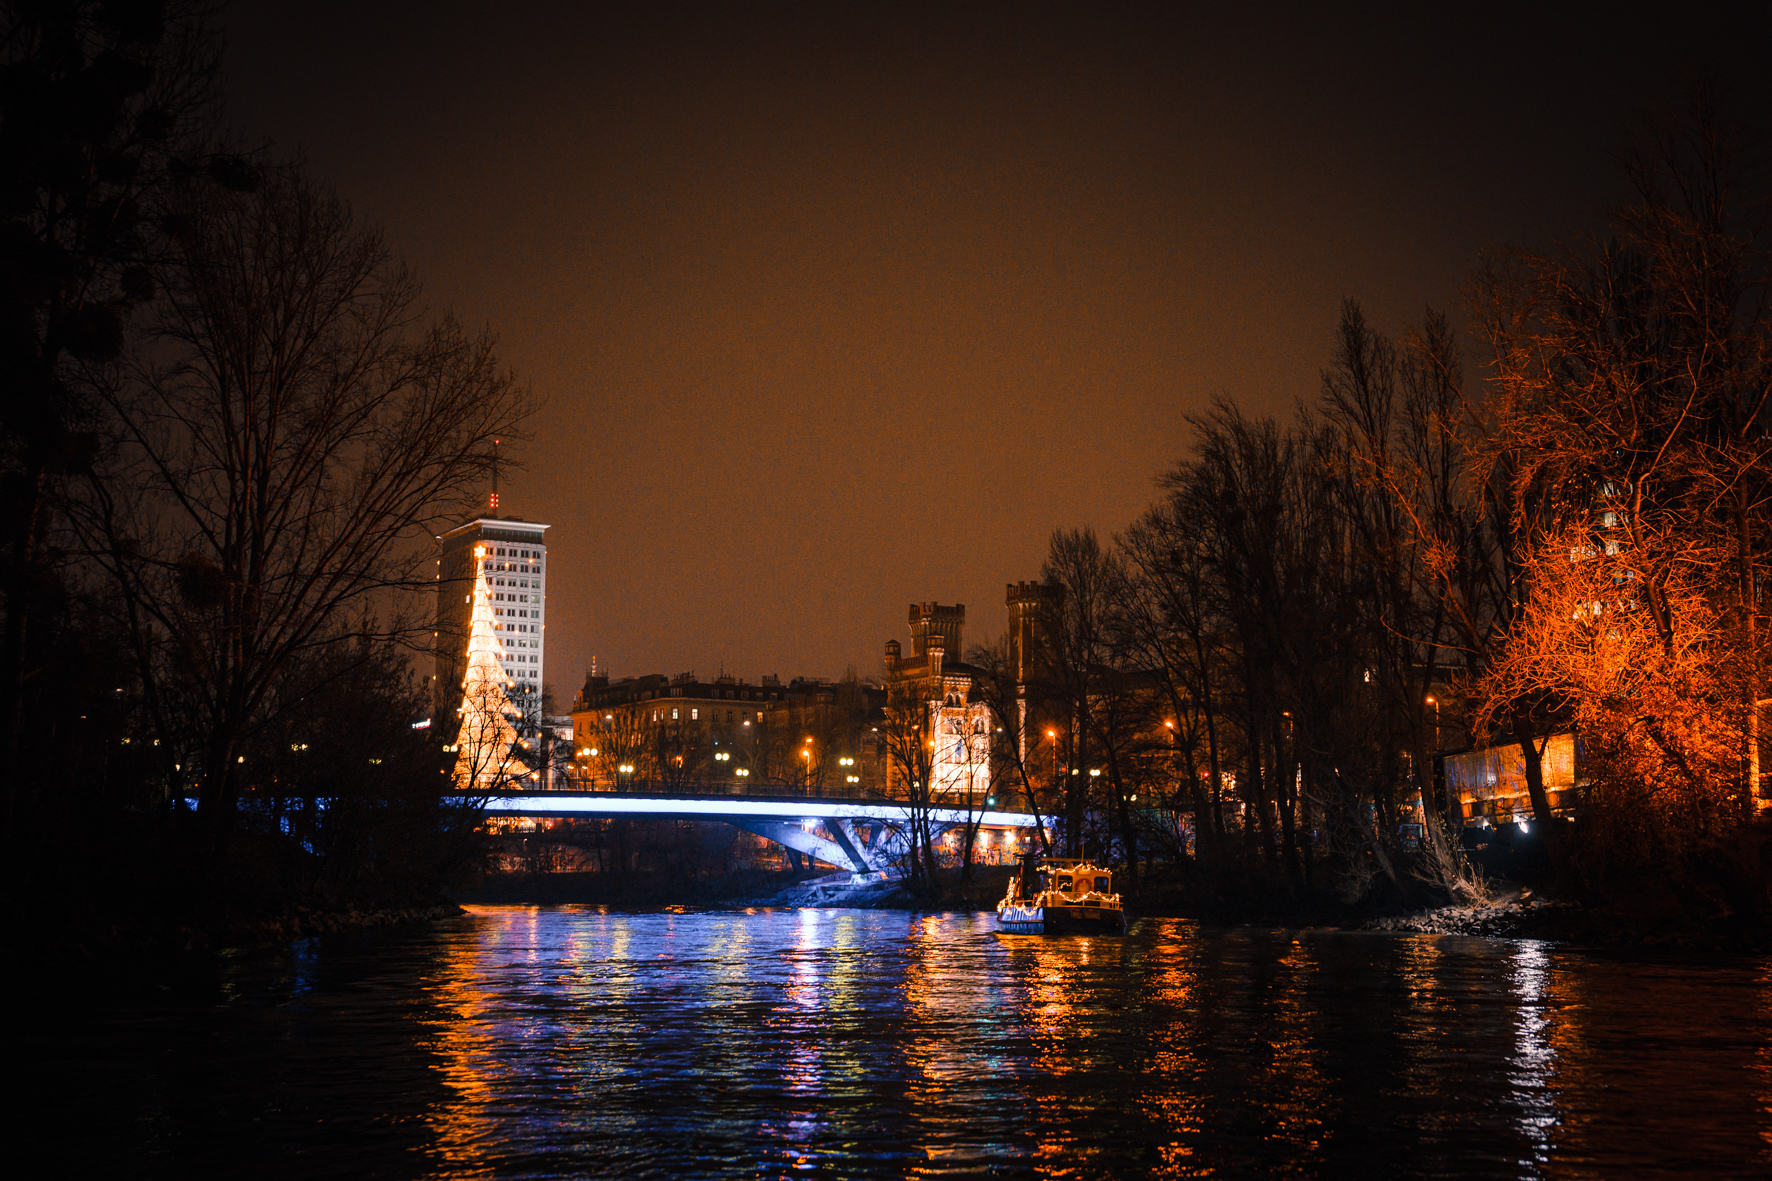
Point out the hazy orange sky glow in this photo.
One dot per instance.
(835, 308)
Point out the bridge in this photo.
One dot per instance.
(866, 836)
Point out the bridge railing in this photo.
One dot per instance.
(666, 786)
(669, 786)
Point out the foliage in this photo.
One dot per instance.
(1631, 377)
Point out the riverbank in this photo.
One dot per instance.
(163, 890)
(1572, 923)
(90, 929)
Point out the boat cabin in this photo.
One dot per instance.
(1066, 877)
(1074, 880)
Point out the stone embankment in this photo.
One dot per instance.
(1514, 918)
(299, 922)
(294, 922)
(1525, 917)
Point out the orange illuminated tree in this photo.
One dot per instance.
(1629, 392)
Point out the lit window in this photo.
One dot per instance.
(695, 715)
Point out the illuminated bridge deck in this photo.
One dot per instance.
(830, 828)
(691, 805)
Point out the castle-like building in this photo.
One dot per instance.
(940, 726)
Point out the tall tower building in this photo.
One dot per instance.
(504, 560)
(1029, 604)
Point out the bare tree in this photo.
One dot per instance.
(910, 759)
(1000, 692)
(1085, 577)
(284, 447)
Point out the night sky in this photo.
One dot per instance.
(838, 307)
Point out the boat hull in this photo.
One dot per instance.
(1059, 920)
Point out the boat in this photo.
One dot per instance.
(1053, 895)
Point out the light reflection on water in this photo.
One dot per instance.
(523, 1042)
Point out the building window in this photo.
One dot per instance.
(695, 715)
(673, 715)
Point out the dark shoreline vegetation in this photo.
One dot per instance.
(146, 900)
(218, 569)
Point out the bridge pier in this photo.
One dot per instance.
(790, 833)
(885, 845)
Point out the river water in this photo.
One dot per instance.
(571, 1041)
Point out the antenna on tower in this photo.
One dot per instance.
(492, 504)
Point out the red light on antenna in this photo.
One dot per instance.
(494, 503)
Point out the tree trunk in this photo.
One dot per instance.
(1076, 782)
(1532, 756)
(20, 593)
(1257, 797)
(1284, 791)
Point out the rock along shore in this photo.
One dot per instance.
(184, 933)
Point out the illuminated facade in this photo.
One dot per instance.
(1488, 786)
(505, 560)
(813, 734)
(957, 726)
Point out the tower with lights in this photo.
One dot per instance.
(491, 628)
